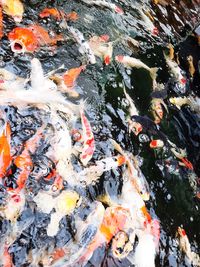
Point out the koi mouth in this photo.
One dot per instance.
(17, 46)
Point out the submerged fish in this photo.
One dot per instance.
(147, 18)
(104, 3)
(130, 62)
(58, 14)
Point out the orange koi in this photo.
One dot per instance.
(54, 12)
(58, 14)
(114, 221)
(23, 40)
(42, 35)
(89, 143)
(24, 161)
(71, 76)
(31, 38)
(5, 156)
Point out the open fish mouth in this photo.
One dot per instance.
(18, 46)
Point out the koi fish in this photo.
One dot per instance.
(93, 173)
(84, 45)
(58, 14)
(24, 161)
(30, 39)
(5, 154)
(13, 8)
(160, 2)
(181, 155)
(157, 105)
(136, 177)
(101, 48)
(114, 221)
(67, 81)
(86, 232)
(88, 137)
(121, 245)
(105, 4)
(185, 247)
(130, 62)
(175, 70)
(147, 18)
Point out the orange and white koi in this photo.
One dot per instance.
(5, 154)
(88, 137)
(13, 8)
(181, 155)
(130, 62)
(185, 247)
(114, 221)
(102, 48)
(58, 14)
(104, 3)
(67, 81)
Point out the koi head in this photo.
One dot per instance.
(156, 143)
(135, 127)
(13, 8)
(104, 37)
(155, 31)
(119, 10)
(119, 58)
(181, 232)
(22, 40)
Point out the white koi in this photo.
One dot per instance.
(103, 3)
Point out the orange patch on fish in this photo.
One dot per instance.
(71, 76)
(146, 214)
(5, 155)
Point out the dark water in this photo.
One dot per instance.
(172, 200)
